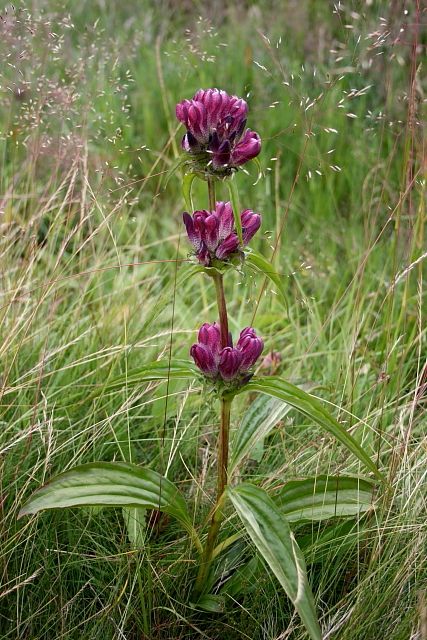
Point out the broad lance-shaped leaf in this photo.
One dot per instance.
(262, 265)
(112, 484)
(311, 407)
(324, 497)
(270, 533)
(260, 418)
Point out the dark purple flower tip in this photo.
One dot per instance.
(251, 222)
(210, 336)
(248, 148)
(222, 156)
(250, 347)
(229, 363)
(227, 247)
(204, 360)
(190, 144)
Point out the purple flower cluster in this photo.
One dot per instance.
(215, 124)
(213, 235)
(229, 363)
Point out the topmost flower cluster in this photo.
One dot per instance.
(216, 132)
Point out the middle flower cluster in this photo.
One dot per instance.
(213, 235)
(229, 363)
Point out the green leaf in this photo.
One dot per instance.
(211, 603)
(134, 519)
(324, 497)
(153, 371)
(245, 578)
(111, 484)
(270, 533)
(258, 421)
(235, 203)
(262, 265)
(311, 407)
(187, 183)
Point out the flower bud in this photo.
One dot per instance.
(250, 347)
(251, 222)
(248, 147)
(210, 336)
(229, 363)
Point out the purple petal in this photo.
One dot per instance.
(181, 111)
(226, 219)
(193, 234)
(204, 359)
(250, 347)
(210, 336)
(248, 147)
(229, 363)
(199, 218)
(251, 222)
(197, 121)
(210, 236)
(227, 246)
(248, 331)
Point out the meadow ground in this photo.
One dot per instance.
(91, 255)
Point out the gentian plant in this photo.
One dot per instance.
(215, 145)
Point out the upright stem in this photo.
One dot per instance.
(224, 430)
(218, 515)
(222, 309)
(211, 193)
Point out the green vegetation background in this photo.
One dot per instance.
(92, 243)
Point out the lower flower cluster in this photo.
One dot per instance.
(230, 364)
(213, 234)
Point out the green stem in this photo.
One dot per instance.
(222, 309)
(224, 431)
(218, 514)
(211, 193)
